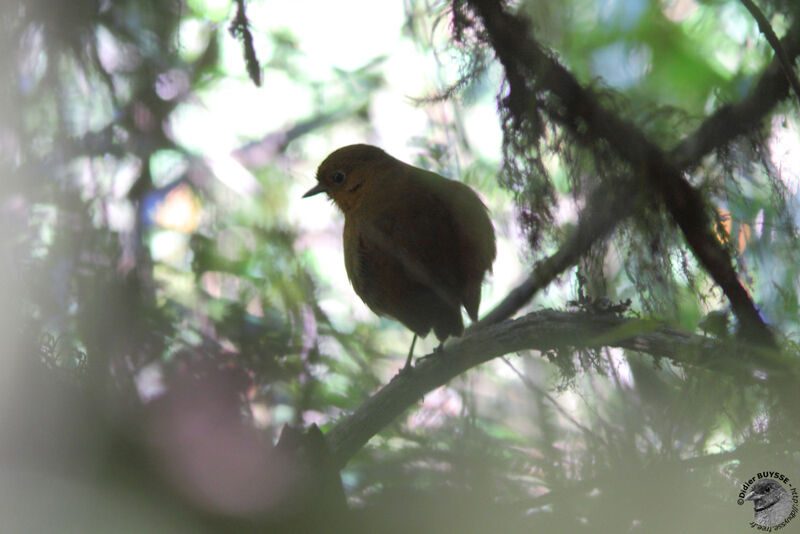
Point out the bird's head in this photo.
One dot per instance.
(348, 172)
(765, 493)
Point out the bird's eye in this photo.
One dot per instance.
(337, 177)
(767, 489)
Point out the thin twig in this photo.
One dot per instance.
(240, 28)
(560, 409)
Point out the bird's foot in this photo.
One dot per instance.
(407, 367)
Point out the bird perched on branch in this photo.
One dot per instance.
(416, 245)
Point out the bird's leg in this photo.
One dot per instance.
(407, 366)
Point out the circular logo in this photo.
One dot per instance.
(775, 500)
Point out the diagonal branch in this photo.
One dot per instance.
(737, 119)
(524, 59)
(772, 39)
(598, 219)
(718, 130)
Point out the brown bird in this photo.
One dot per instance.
(416, 245)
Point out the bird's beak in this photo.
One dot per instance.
(750, 496)
(317, 189)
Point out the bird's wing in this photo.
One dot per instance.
(402, 259)
(422, 236)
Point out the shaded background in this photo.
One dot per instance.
(170, 303)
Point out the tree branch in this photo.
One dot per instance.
(718, 130)
(544, 331)
(598, 219)
(772, 39)
(580, 111)
(737, 119)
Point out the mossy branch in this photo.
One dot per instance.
(544, 331)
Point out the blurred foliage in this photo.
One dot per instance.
(155, 357)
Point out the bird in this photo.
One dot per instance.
(416, 245)
(771, 502)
